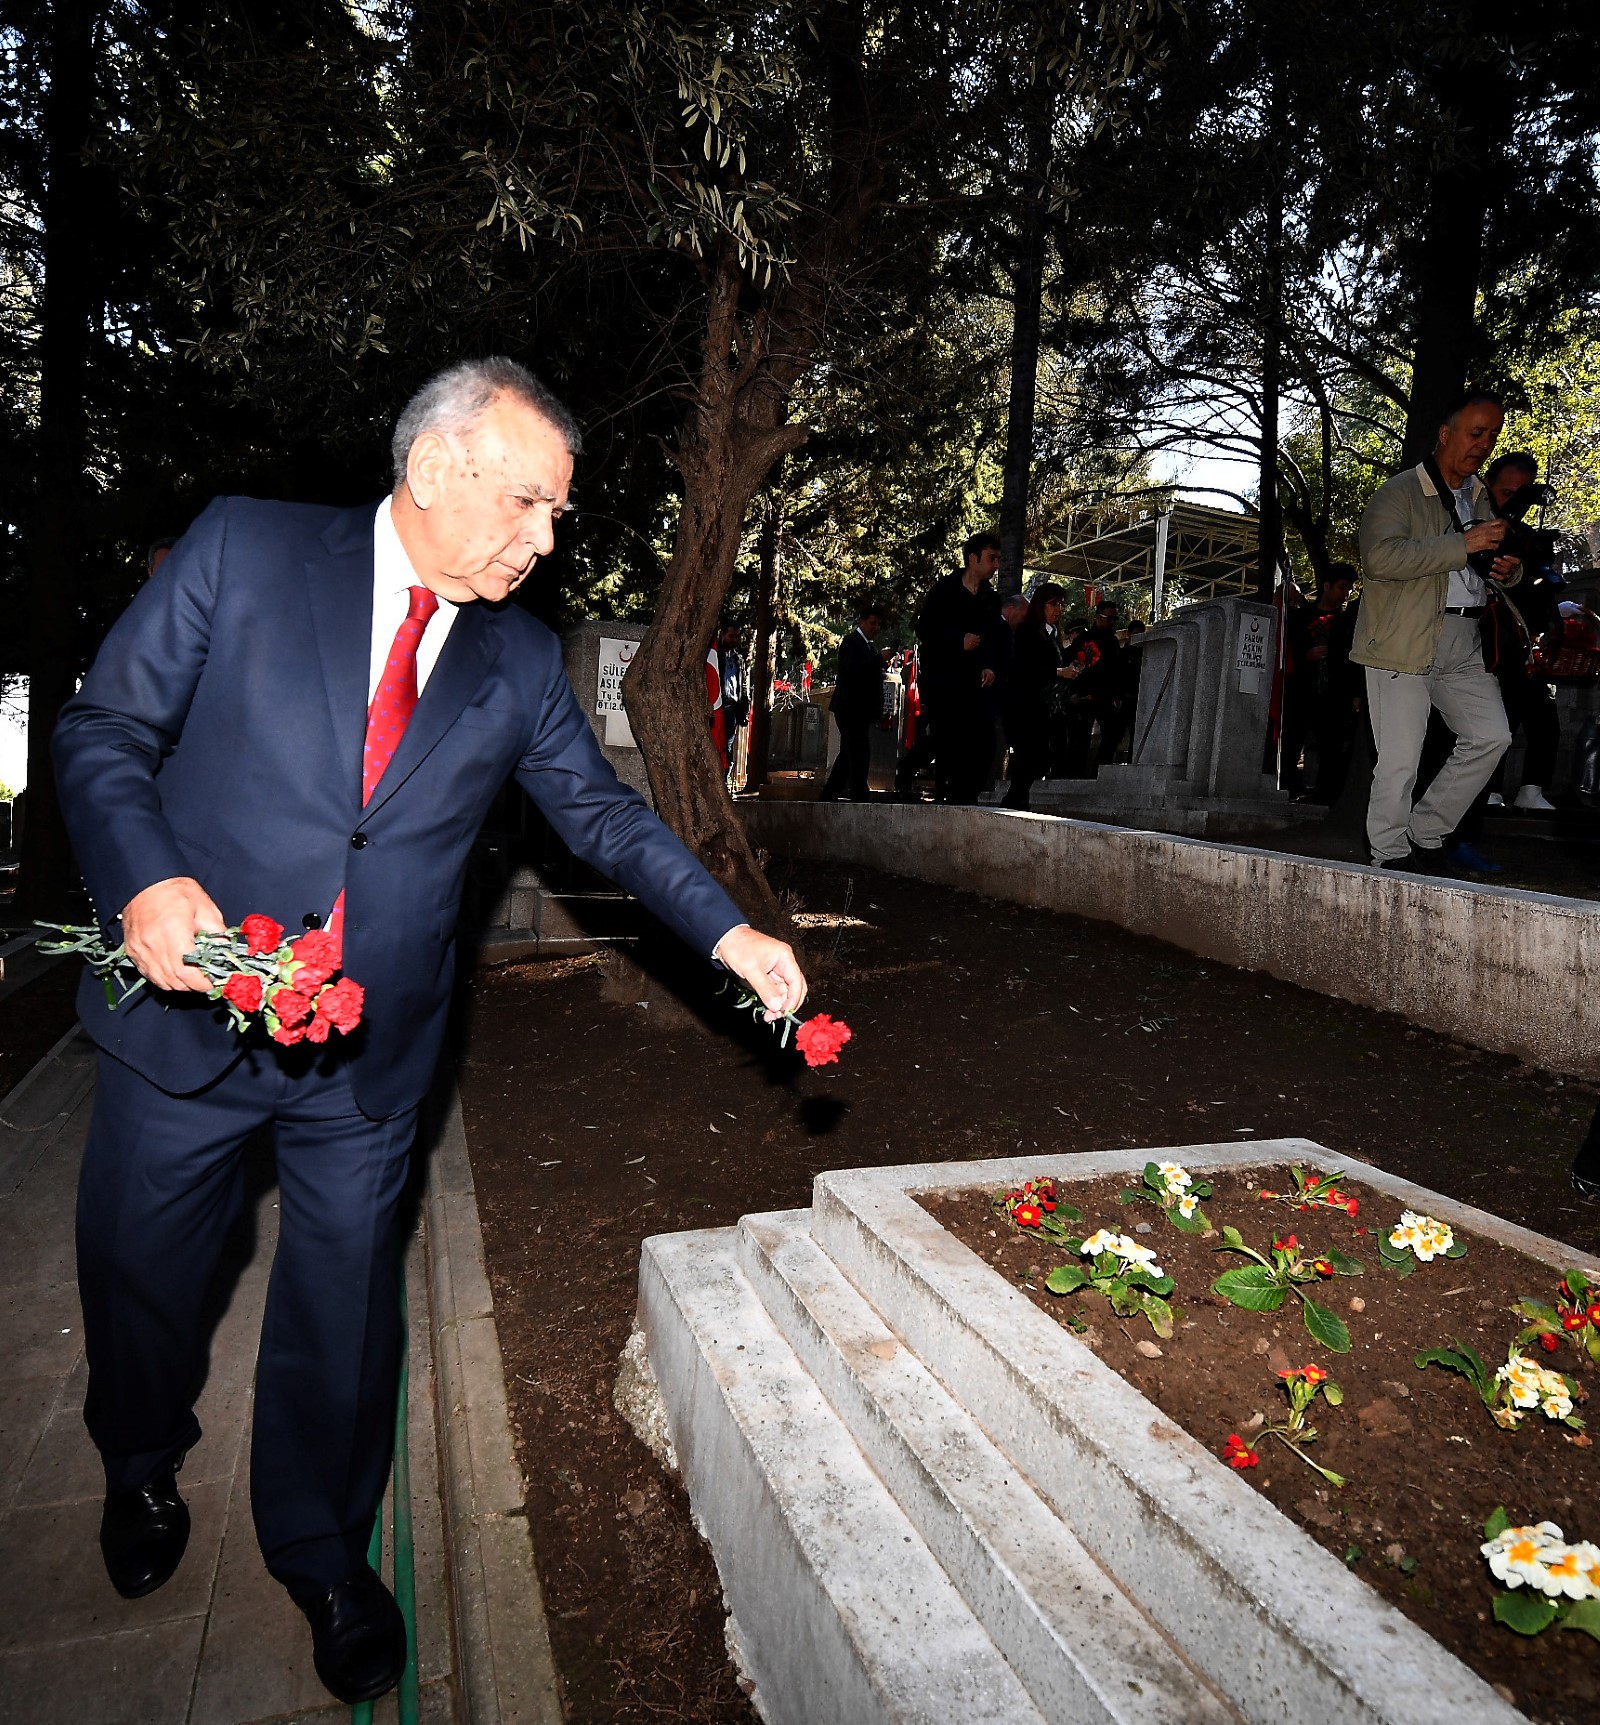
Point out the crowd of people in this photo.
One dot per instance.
(994, 689)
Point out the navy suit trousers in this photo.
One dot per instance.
(161, 1186)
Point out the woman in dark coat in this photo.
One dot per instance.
(1036, 673)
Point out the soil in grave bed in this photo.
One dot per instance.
(1425, 1463)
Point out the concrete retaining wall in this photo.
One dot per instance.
(1510, 971)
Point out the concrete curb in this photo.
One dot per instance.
(39, 1104)
(1511, 971)
(507, 1672)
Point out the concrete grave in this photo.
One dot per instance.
(928, 1501)
(545, 903)
(1200, 731)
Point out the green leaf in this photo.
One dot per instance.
(1325, 1326)
(1195, 1224)
(1332, 1394)
(1252, 1286)
(1299, 1178)
(1463, 1359)
(1202, 1189)
(1152, 1177)
(1136, 1195)
(1396, 1258)
(1353, 1555)
(1407, 1566)
(1160, 1315)
(1576, 1284)
(1066, 1279)
(1582, 1614)
(1524, 1612)
(1530, 1308)
(1155, 1284)
(1344, 1266)
(1497, 1523)
(1458, 1249)
(1231, 1236)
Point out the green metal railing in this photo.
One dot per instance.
(405, 1565)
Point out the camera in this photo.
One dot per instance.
(1535, 547)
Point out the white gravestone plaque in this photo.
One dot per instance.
(614, 660)
(1253, 664)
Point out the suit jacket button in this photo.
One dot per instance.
(358, 841)
(311, 920)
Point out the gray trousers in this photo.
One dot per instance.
(1468, 699)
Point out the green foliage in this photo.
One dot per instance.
(1264, 1285)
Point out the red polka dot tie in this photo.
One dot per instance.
(392, 706)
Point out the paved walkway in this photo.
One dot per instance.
(220, 1644)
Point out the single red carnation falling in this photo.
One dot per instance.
(819, 1039)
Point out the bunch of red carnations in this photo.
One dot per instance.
(257, 975)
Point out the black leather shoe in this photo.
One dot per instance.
(1585, 1185)
(358, 1637)
(143, 1534)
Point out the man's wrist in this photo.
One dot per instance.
(716, 951)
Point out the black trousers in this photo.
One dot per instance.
(849, 774)
(964, 747)
(160, 1187)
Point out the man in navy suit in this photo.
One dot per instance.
(211, 767)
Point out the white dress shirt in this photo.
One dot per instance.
(392, 576)
(1466, 584)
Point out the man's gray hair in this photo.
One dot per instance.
(454, 400)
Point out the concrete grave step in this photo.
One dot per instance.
(1277, 1623)
(841, 1614)
(1085, 1652)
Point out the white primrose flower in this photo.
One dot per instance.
(1514, 1553)
(1564, 1571)
(1586, 1556)
(1522, 1376)
(1102, 1241)
(1174, 1178)
(1136, 1256)
(1554, 1396)
(1426, 1237)
(1187, 1205)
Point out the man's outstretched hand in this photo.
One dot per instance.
(769, 968)
(158, 929)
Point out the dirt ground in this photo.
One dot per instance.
(981, 1029)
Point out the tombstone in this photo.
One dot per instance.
(1200, 732)
(539, 898)
(597, 656)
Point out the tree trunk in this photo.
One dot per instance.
(732, 438)
(1270, 530)
(1450, 256)
(1027, 306)
(56, 537)
(761, 651)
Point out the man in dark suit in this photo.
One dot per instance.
(857, 705)
(305, 713)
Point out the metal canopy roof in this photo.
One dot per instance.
(1207, 551)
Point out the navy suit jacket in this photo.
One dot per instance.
(219, 735)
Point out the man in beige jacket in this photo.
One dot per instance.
(1417, 633)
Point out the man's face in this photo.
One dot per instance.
(729, 639)
(1466, 441)
(488, 500)
(987, 563)
(1508, 482)
(1335, 596)
(869, 626)
(1106, 617)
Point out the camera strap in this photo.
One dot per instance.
(1447, 494)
